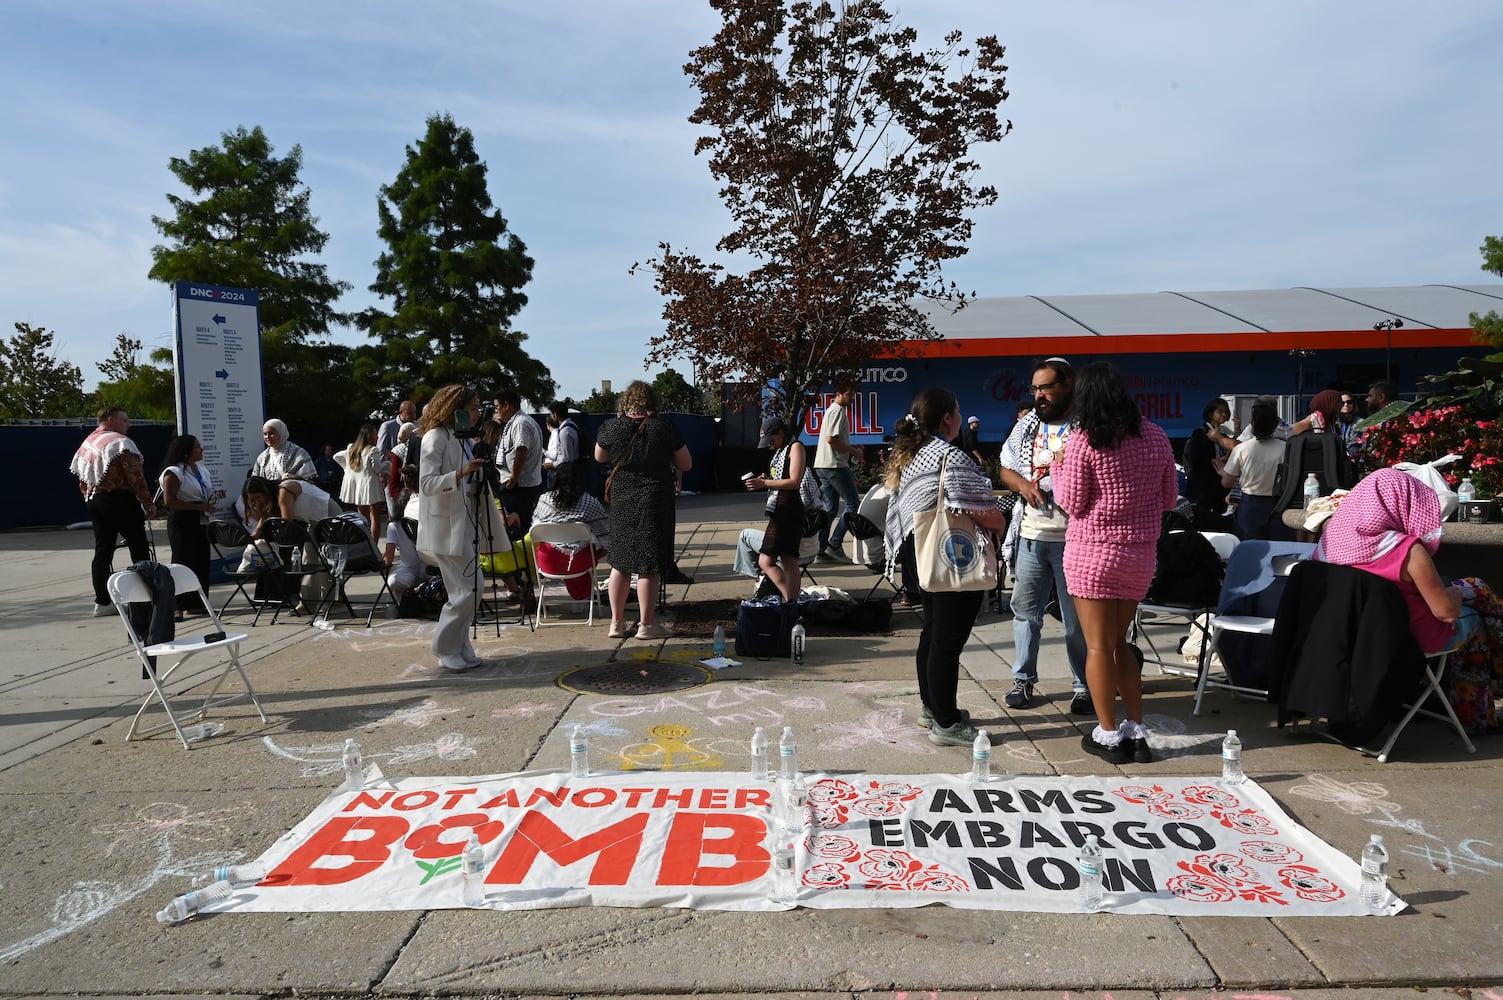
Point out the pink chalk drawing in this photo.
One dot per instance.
(884, 726)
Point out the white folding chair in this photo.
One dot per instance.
(1435, 664)
(127, 588)
(1219, 625)
(582, 563)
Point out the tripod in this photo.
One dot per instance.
(488, 605)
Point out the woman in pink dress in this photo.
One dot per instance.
(1115, 482)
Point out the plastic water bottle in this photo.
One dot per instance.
(1374, 889)
(189, 903)
(795, 796)
(234, 874)
(1090, 873)
(719, 640)
(981, 758)
(783, 889)
(472, 871)
(297, 560)
(202, 731)
(1466, 492)
(354, 767)
(1312, 490)
(797, 642)
(1231, 758)
(760, 771)
(787, 755)
(579, 753)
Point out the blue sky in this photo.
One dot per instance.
(1170, 145)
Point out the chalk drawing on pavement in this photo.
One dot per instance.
(1360, 798)
(881, 727)
(416, 716)
(327, 758)
(668, 749)
(161, 830)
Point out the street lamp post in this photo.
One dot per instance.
(1303, 354)
(1388, 326)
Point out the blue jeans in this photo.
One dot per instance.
(1039, 565)
(836, 484)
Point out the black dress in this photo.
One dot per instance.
(641, 507)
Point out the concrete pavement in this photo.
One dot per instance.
(101, 833)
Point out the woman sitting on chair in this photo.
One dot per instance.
(567, 502)
(1389, 525)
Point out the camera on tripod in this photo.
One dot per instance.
(462, 426)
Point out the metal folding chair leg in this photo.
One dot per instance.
(1434, 670)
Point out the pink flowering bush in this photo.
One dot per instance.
(1422, 435)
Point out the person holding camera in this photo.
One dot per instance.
(446, 529)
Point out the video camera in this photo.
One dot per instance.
(462, 427)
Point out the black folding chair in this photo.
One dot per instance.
(286, 537)
(224, 537)
(345, 546)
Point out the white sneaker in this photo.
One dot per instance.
(103, 610)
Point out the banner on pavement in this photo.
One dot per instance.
(1182, 846)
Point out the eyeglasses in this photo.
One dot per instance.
(1046, 387)
(1348, 402)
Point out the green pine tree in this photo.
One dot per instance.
(454, 273)
(249, 226)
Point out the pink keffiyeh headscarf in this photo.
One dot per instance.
(1377, 515)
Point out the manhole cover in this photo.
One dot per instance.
(639, 677)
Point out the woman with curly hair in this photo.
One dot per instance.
(920, 448)
(446, 531)
(1115, 483)
(643, 450)
(190, 496)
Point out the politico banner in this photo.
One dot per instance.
(1182, 846)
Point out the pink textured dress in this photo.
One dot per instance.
(1116, 498)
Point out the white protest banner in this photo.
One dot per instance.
(1183, 846)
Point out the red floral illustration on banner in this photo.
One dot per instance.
(826, 875)
(886, 869)
(887, 798)
(1175, 810)
(832, 790)
(880, 808)
(1199, 889)
(1249, 822)
(1309, 883)
(1210, 795)
(901, 790)
(1143, 794)
(1271, 852)
(935, 879)
(1220, 878)
(829, 799)
(832, 845)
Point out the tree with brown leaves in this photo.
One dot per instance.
(844, 155)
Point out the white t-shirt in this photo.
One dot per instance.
(1256, 464)
(836, 427)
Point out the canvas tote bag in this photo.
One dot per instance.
(952, 552)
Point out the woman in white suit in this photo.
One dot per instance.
(446, 530)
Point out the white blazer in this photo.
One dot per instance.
(447, 524)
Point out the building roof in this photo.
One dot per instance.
(1281, 310)
(1431, 315)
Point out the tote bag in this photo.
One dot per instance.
(952, 553)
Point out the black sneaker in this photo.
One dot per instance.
(1021, 695)
(1081, 704)
(1119, 754)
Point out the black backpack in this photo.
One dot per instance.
(1321, 453)
(1188, 571)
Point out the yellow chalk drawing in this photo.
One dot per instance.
(669, 750)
